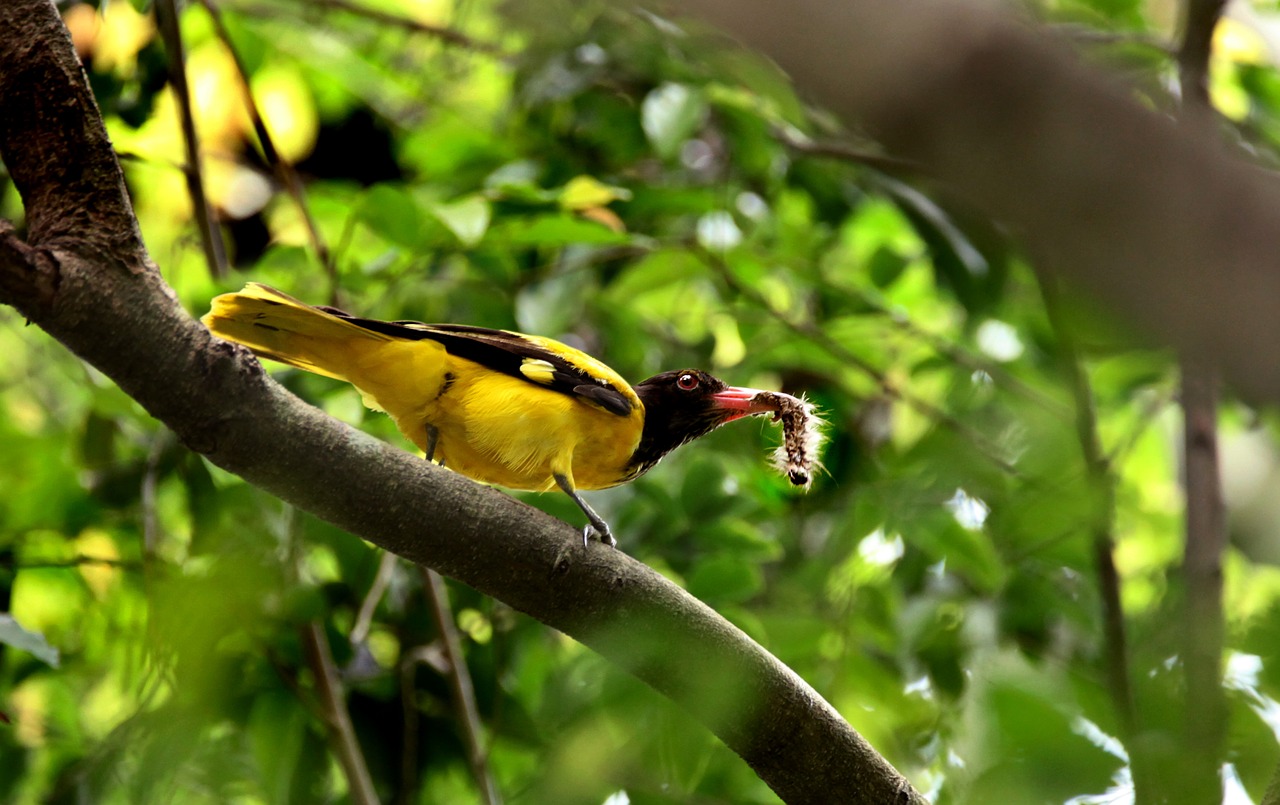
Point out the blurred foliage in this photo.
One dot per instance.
(610, 179)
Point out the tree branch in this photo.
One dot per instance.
(1206, 539)
(464, 694)
(1205, 526)
(1193, 56)
(364, 615)
(333, 710)
(1102, 483)
(84, 277)
(215, 253)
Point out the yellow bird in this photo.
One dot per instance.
(520, 411)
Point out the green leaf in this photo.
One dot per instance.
(740, 538)
(651, 273)
(1034, 745)
(670, 115)
(969, 261)
(554, 230)
(518, 181)
(467, 218)
(276, 730)
(393, 213)
(885, 266)
(550, 306)
(725, 578)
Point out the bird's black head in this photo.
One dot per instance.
(682, 405)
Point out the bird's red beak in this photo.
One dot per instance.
(740, 402)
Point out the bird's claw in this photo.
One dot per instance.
(604, 536)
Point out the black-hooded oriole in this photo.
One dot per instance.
(520, 411)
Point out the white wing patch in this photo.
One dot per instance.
(538, 370)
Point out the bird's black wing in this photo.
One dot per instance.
(542, 362)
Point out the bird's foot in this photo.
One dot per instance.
(606, 538)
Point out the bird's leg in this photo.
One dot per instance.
(433, 436)
(598, 526)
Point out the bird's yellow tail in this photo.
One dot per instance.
(275, 325)
(398, 375)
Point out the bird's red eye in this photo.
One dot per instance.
(687, 381)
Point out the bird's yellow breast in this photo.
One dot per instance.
(505, 430)
(493, 428)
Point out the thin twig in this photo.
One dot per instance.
(337, 720)
(79, 560)
(1101, 482)
(1193, 57)
(1206, 529)
(409, 734)
(215, 254)
(449, 35)
(151, 531)
(844, 152)
(444, 34)
(364, 618)
(284, 171)
(464, 696)
(1088, 35)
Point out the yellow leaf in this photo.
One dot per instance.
(583, 192)
(1237, 42)
(121, 33)
(729, 349)
(288, 110)
(217, 100)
